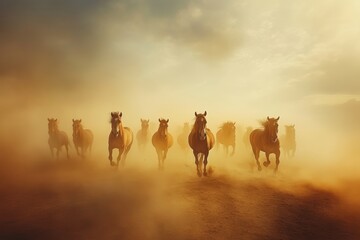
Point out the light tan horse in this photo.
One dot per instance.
(288, 142)
(246, 137)
(57, 138)
(266, 140)
(142, 134)
(162, 141)
(120, 137)
(226, 136)
(82, 138)
(182, 138)
(201, 140)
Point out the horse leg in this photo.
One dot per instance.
(110, 156)
(164, 157)
(205, 162)
(67, 150)
(257, 154)
(233, 150)
(121, 150)
(77, 150)
(57, 153)
(52, 152)
(267, 162)
(197, 163)
(159, 154)
(277, 161)
(226, 150)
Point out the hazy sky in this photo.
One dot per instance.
(235, 59)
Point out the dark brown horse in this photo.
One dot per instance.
(162, 141)
(288, 142)
(266, 140)
(120, 137)
(142, 134)
(57, 138)
(226, 137)
(83, 138)
(201, 140)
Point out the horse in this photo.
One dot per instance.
(142, 134)
(162, 141)
(266, 140)
(226, 136)
(201, 140)
(82, 138)
(288, 143)
(120, 137)
(246, 137)
(182, 138)
(57, 138)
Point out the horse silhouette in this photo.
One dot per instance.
(142, 134)
(288, 142)
(266, 140)
(246, 137)
(120, 137)
(201, 140)
(82, 138)
(226, 136)
(57, 138)
(162, 141)
(182, 138)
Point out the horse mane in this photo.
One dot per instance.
(264, 123)
(226, 124)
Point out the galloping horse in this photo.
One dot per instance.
(266, 140)
(182, 138)
(120, 137)
(57, 138)
(83, 138)
(201, 140)
(226, 136)
(142, 134)
(288, 143)
(162, 141)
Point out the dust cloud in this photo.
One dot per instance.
(239, 61)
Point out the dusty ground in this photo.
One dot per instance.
(87, 199)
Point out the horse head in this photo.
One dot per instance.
(115, 122)
(163, 127)
(200, 125)
(52, 125)
(290, 130)
(273, 127)
(76, 126)
(144, 124)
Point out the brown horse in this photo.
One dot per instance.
(288, 142)
(182, 138)
(142, 134)
(120, 137)
(266, 140)
(57, 138)
(201, 140)
(226, 137)
(83, 138)
(162, 141)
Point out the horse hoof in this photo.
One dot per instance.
(259, 168)
(205, 174)
(266, 164)
(199, 174)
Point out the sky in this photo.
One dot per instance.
(238, 60)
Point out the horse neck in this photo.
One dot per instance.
(121, 129)
(55, 133)
(144, 130)
(81, 132)
(267, 133)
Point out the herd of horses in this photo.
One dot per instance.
(198, 137)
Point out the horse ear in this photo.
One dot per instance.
(141, 120)
(73, 120)
(80, 120)
(205, 113)
(195, 114)
(159, 120)
(49, 119)
(234, 123)
(56, 120)
(148, 120)
(268, 118)
(167, 120)
(112, 114)
(278, 118)
(120, 114)
(293, 125)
